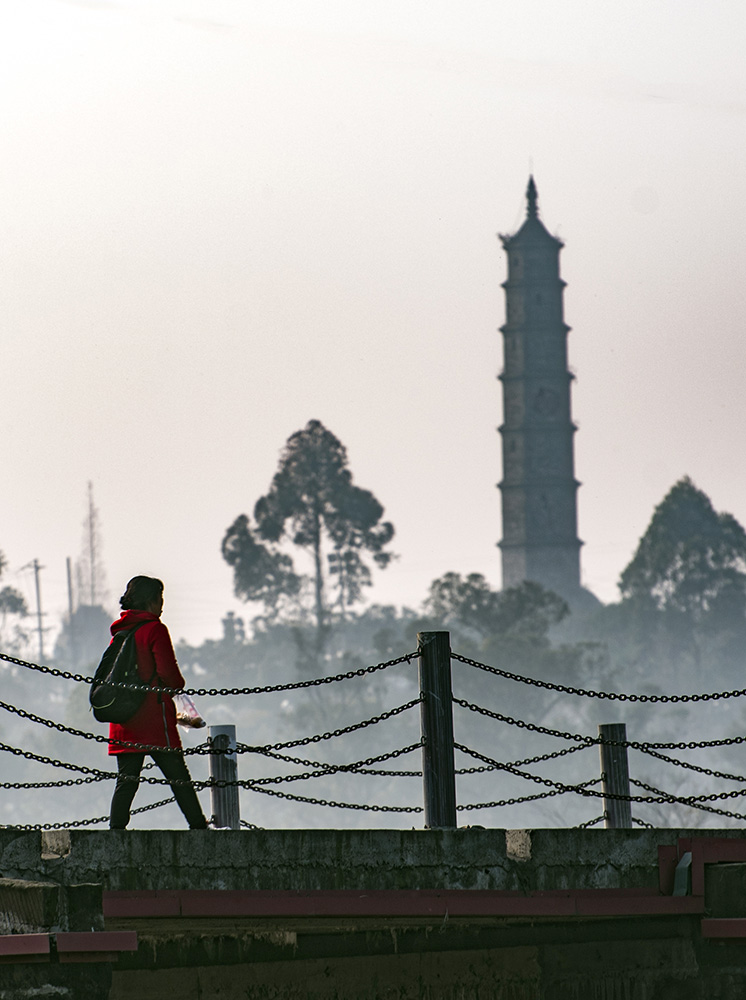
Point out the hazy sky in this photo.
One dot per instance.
(221, 219)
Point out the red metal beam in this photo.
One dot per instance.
(13, 945)
(395, 903)
(88, 946)
(724, 927)
(93, 941)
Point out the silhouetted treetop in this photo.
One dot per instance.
(259, 572)
(13, 610)
(313, 504)
(528, 611)
(691, 558)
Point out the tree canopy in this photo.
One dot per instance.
(469, 603)
(691, 559)
(510, 629)
(12, 609)
(84, 637)
(312, 505)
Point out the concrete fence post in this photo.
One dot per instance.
(224, 767)
(615, 776)
(436, 723)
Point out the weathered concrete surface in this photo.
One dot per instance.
(639, 970)
(56, 982)
(725, 890)
(342, 859)
(515, 958)
(28, 907)
(31, 907)
(511, 974)
(47, 908)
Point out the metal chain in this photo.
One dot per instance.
(527, 760)
(360, 768)
(218, 692)
(590, 822)
(525, 798)
(326, 768)
(693, 801)
(522, 774)
(343, 731)
(662, 796)
(382, 773)
(334, 805)
(67, 783)
(59, 727)
(95, 773)
(609, 695)
(29, 755)
(204, 748)
(643, 823)
(241, 748)
(287, 758)
(692, 767)
(74, 824)
(598, 740)
(484, 769)
(334, 768)
(521, 724)
(407, 657)
(364, 766)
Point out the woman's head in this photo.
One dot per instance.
(143, 593)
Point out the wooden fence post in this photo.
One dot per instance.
(615, 776)
(224, 767)
(436, 724)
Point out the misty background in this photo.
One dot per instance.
(223, 220)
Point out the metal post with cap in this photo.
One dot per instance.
(436, 721)
(224, 768)
(615, 776)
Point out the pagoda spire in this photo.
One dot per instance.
(532, 197)
(539, 490)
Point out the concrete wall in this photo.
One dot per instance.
(341, 859)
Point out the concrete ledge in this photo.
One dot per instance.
(525, 861)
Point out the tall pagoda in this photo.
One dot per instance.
(539, 490)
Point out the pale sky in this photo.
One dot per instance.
(221, 219)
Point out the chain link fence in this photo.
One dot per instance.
(365, 768)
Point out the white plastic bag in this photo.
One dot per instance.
(186, 712)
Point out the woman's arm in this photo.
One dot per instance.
(165, 659)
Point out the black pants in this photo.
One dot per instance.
(174, 769)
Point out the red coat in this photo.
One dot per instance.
(154, 723)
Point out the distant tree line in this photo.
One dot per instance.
(681, 613)
(304, 558)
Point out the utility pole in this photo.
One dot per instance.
(92, 540)
(71, 620)
(40, 629)
(91, 577)
(68, 563)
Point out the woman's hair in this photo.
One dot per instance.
(141, 592)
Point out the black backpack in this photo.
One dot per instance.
(118, 666)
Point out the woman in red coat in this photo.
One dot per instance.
(154, 723)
